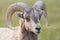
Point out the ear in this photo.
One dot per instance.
(20, 15)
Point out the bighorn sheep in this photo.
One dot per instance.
(29, 24)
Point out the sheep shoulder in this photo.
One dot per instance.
(9, 34)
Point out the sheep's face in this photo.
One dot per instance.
(31, 21)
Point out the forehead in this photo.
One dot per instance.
(32, 14)
(34, 17)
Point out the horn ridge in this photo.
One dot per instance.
(19, 6)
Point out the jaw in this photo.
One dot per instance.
(36, 32)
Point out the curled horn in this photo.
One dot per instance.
(13, 8)
(40, 7)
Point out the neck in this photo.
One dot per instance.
(26, 35)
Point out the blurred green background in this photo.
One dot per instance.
(52, 32)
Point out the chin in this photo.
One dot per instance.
(37, 32)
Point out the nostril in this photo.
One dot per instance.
(38, 29)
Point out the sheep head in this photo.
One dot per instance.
(29, 19)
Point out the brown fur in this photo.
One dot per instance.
(26, 34)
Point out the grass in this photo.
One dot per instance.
(51, 32)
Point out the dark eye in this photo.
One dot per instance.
(28, 19)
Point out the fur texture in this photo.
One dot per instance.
(29, 26)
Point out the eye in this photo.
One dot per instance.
(27, 19)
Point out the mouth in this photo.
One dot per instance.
(38, 32)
